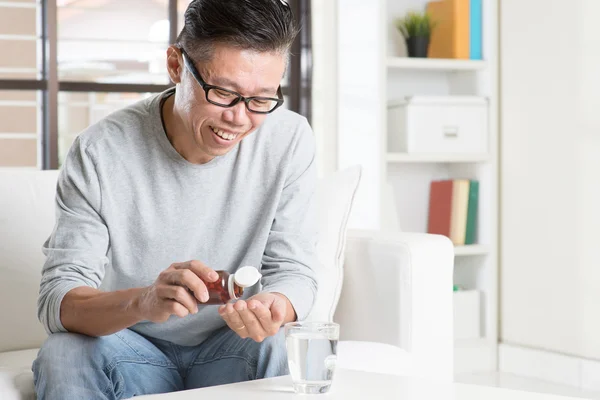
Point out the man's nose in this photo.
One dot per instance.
(237, 115)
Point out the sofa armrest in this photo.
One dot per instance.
(397, 289)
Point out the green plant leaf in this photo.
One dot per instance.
(415, 24)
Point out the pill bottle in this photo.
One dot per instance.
(231, 286)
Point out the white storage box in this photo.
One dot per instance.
(438, 124)
(467, 314)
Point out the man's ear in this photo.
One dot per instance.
(174, 64)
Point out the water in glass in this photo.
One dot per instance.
(312, 357)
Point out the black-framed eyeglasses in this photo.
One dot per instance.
(222, 97)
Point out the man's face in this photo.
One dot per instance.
(215, 130)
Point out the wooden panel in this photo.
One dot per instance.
(18, 152)
(18, 119)
(18, 95)
(17, 21)
(17, 75)
(18, 54)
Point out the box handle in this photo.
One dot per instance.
(450, 131)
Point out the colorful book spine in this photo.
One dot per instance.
(476, 32)
(440, 208)
(472, 212)
(453, 207)
(460, 202)
(451, 36)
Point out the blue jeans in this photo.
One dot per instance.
(126, 364)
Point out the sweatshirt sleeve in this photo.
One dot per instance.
(76, 251)
(290, 257)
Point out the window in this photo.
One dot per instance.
(20, 105)
(74, 61)
(20, 122)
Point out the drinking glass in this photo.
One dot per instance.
(312, 354)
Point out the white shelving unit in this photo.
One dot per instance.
(409, 175)
(435, 64)
(372, 71)
(436, 158)
(471, 250)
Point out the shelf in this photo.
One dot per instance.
(473, 343)
(437, 158)
(471, 250)
(438, 64)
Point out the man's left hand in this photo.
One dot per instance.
(259, 317)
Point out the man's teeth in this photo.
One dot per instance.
(227, 136)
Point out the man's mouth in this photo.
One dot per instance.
(223, 134)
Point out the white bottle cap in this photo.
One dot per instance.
(246, 276)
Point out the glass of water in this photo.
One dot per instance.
(312, 354)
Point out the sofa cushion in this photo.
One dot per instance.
(15, 367)
(335, 197)
(26, 220)
(7, 388)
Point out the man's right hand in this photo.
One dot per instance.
(176, 291)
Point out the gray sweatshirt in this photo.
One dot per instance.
(129, 205)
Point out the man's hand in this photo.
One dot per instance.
(176, 291)
(260, 317)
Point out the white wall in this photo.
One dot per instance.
(550, 193)
(324, 82)
(360, 78)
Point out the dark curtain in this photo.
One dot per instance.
(300, 73)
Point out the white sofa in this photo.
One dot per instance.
(395, 305)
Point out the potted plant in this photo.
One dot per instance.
(416, 28)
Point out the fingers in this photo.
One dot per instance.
(264, 317)
(180, 295)
(168, 308)
(200, 269)
(233, 319)
(178, 290)
(252, 319)
(189, 279)
(180, 276)
(278, 310)
(174, 307)
(251, 322)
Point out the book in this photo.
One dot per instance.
(451, 36)
(453, 207)
(476, 30)
(440, 207)
(460, 202)
(472, 212)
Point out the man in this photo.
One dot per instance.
(211, 175)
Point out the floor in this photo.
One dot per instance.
(508, 381)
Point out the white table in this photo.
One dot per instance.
(349, 385)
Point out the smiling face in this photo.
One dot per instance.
(200, 130)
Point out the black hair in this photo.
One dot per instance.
(260, 25)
